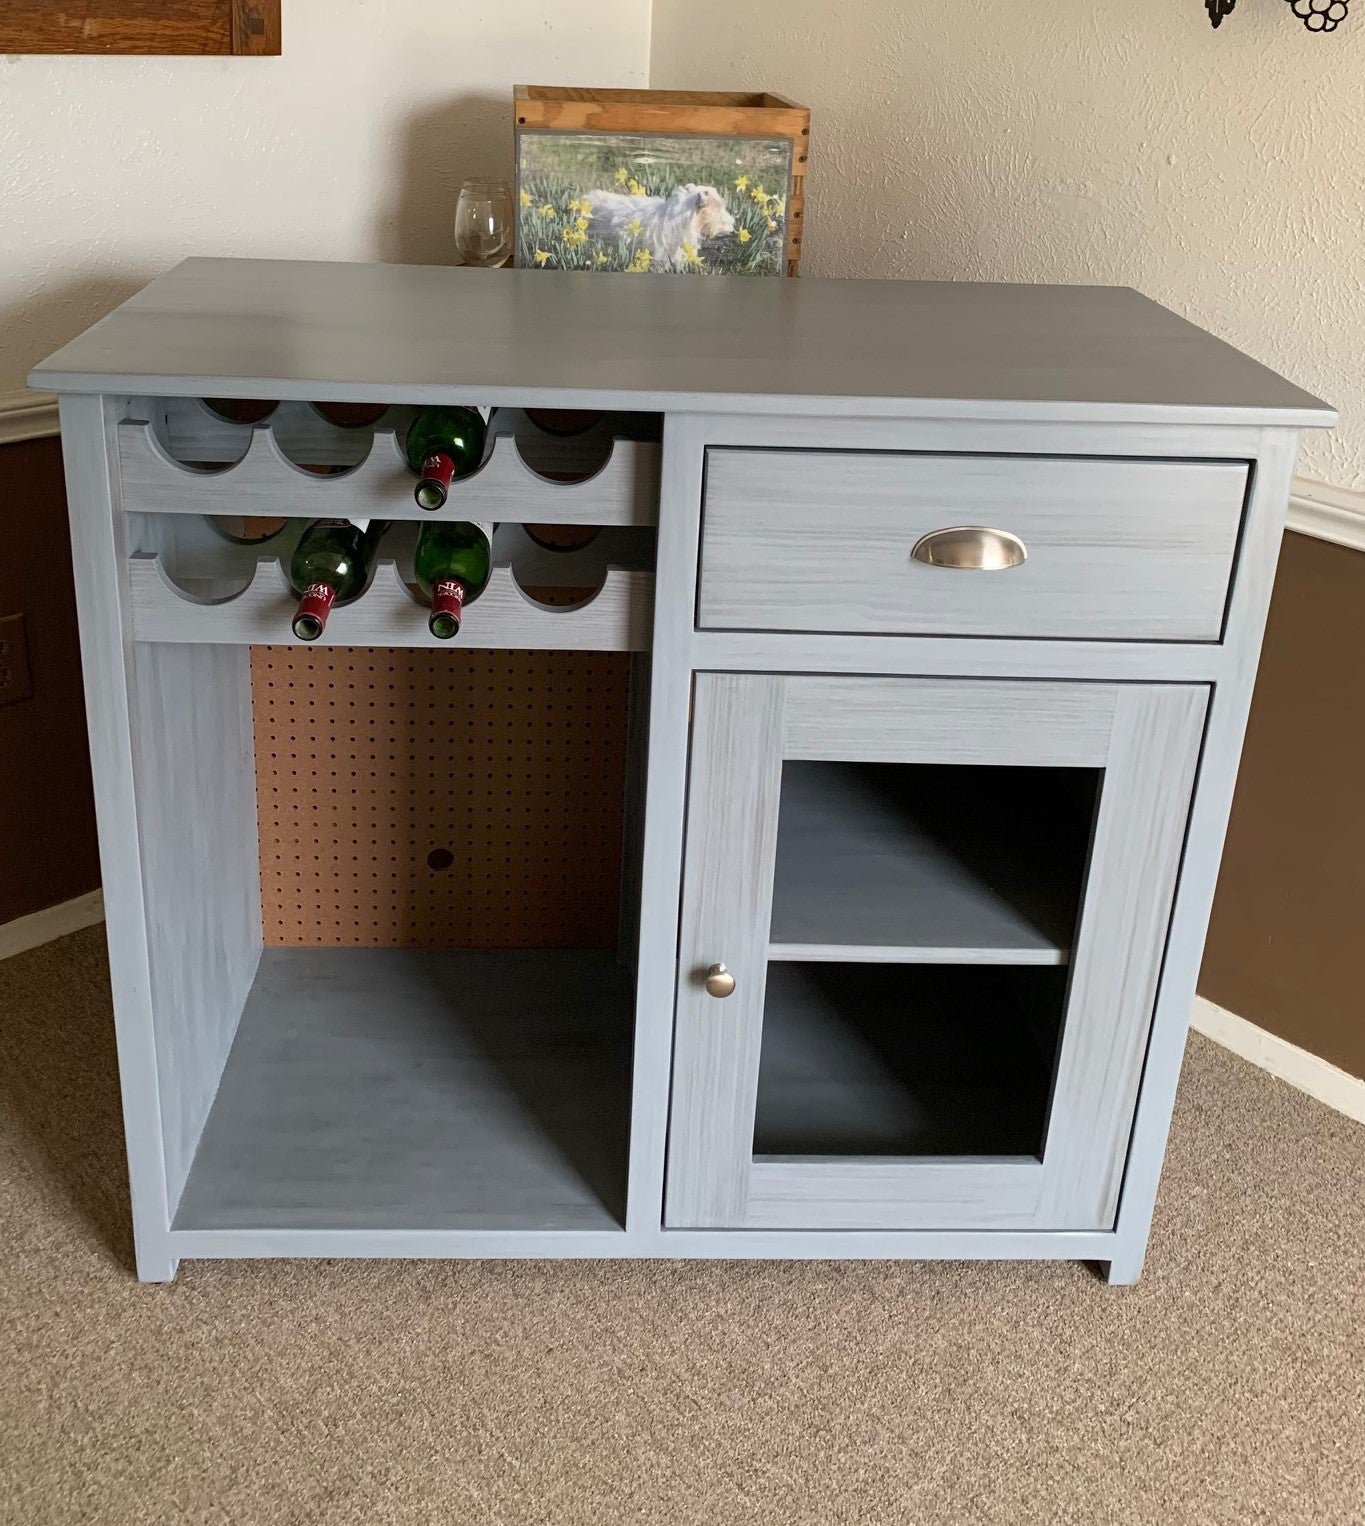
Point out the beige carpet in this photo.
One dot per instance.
(1228, 1387)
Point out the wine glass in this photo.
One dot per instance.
(483, 222)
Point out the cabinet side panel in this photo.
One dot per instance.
(98, 552)
(1268, 500)
(197, 788)
(1139, 837)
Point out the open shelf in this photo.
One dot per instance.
(421, 1089)
(919, 864)
(883, 1060)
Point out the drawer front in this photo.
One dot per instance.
(822, 541)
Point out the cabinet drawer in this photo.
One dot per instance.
(822, 541)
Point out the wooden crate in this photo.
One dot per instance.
(678, 113)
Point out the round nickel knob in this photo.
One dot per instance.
(719, 981)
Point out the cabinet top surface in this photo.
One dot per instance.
(385, 333)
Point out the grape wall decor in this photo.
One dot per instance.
(1316, 15)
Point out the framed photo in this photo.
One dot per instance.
(659, 182)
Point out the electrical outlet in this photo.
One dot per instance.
(14, 680)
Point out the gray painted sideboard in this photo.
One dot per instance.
(920, 856)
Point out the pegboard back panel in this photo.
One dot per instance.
(439, 799)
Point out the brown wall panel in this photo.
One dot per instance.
(47, 815)
(1288, 924)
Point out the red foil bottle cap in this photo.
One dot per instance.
(310, 618)
(447, 607)
(434, 485)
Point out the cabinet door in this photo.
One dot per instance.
(943, 904)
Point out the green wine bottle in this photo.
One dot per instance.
(453, 564)
(443, 443)
(330, 565)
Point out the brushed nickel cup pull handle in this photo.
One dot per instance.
(971, 547)
(719, 982)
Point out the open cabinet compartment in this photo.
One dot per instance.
(392, 893)
(393, 909)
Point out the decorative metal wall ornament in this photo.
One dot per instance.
(1316, 15)
(1320, 15)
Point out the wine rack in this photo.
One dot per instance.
(739, 881)
(201, 588)
(183, 467)
(186, 460)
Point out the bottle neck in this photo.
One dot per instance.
(310, 618)
(447, 607)
(433, 487)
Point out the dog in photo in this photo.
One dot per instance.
(666, 223)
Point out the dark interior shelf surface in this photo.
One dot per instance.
(904, 1060)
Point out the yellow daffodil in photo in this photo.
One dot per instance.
(548, 211)
(634, 187)
(622, 176)
(542, 255)
(526, 198)
(634, 226)
(742, 184)
(744, 235)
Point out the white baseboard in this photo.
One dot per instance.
(27, 416)
(24, 933)
(1308, 1072)
(1328, 513)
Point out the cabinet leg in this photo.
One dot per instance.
(1125, 1269)
(155, 1264)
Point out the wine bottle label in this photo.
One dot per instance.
(447, 598)
(315, 605)
(439, 468)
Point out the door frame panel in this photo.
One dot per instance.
(1145, 737)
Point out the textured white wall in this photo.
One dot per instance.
(1121, 141)
(350, 146)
